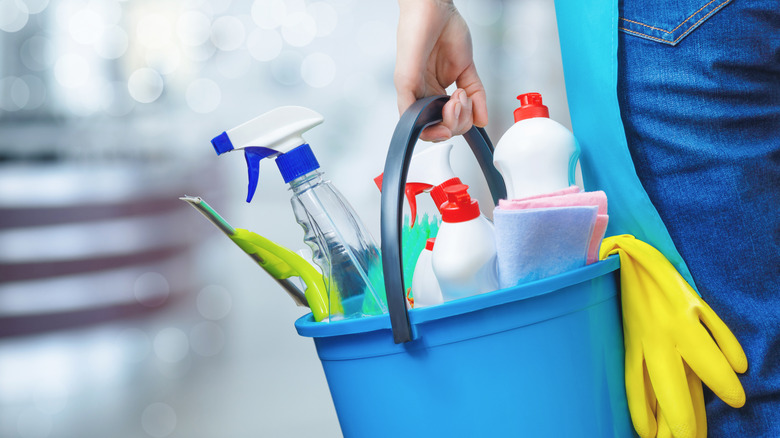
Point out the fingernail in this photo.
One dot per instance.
(463, 98)
(458, 107)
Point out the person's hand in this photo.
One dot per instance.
(434, 51)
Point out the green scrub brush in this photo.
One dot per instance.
(413, 240)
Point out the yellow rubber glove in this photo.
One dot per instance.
(664, 333)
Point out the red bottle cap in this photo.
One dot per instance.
(459, 207)
(437, 193)
(530, 106)
(429, 243)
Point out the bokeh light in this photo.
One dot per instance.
(207, 339)
(325, 16)
(269, 14)
(151, 289)
(214, 302)
(37, 53)
(145, 85)
(154, 30)
(264, 45)
(171, 345)
(158, 420)
(113, 44)
(203, 95)
(299, 30)
(14, 15)
(71, 70)
(318, 70)
(227, 33)
(86, 27)
(193, 28)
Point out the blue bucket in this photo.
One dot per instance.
(540, 360)
(544, 359)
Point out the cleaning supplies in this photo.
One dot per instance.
(343, 248)
(429, 171)
(537, 154)
(414, 237)
(278, 261)
(568, 198)
(674, 342)
(425, 286)
(464, 257)
(537, 243)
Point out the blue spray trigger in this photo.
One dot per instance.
(253, 156)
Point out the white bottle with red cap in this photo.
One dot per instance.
(536, 155)
(425, 286)
(464, 257)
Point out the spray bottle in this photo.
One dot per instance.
(425, 286)
(429, 171)
(341, 245)
(536, 155)
(464, 257)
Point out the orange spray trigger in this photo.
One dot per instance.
(412, 190)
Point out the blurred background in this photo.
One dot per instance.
(123, 312)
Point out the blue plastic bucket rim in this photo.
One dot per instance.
(306, 326)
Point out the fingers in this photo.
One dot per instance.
(469, 81)
(697, 398)
(725, 338)
(670, 384)
(639, 394)
(705, 359)
(457, 118)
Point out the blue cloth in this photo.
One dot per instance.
(699, 92)
(537, 243)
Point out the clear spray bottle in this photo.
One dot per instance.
(342, 247)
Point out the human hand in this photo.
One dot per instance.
(434, 50)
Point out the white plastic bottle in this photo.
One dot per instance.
(429, 171)
(464, 257)
(536, 155)
(425, 286)
(342, 246)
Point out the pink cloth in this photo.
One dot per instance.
(569, 197)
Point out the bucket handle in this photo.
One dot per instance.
(421, 114)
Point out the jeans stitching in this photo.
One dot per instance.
(678, 26)
(638, 33)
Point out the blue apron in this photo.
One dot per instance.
(588, 31)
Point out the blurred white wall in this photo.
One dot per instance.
(144, 84)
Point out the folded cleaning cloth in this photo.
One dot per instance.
(537, 243)
(571, 196)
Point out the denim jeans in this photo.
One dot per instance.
(699, 94)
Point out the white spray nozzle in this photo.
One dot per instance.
(276, 132)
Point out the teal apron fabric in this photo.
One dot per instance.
(588, 31)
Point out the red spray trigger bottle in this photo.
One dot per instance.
(429, 171)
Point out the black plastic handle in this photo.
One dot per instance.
(421, 114)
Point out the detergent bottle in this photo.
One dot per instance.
(425, 286)
(342, 247)
(429, 171)
(536, 155)
(464, 257)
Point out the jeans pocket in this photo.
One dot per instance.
(666, 21)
